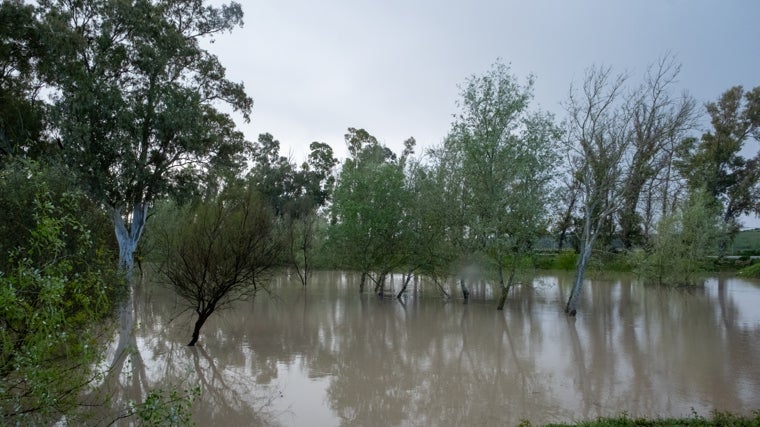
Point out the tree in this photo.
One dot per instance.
(597, 140)
(21, 110)
(450, 188)
(367, 208)
(659, 123)
(221, 251)
(506, 157)
(273, 175)
(427, 214)
(135, 100)
(295, 194)
(715, 163)
(304, 218)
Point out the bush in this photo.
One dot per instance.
(566, 260)
(23, 184)
(751, 271)
(56, 288)
(683, 242)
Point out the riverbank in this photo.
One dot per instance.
(717, 419)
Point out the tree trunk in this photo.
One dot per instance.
(197, 329)
(362, 282)
(440, 287)
(380, 285)
(465, 291)
(503, 297)
(407, 279)
(505, 289)
(303, 268)
(129, 237)
(580, 272)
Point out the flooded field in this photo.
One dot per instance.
(327, 355)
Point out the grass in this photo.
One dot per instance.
(717, 419)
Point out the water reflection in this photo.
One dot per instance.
(329, 356)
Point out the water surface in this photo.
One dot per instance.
(327, 355)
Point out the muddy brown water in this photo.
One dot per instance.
(328, 356)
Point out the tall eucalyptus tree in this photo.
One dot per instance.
(136, 100)
(295, 194)
(21, 109)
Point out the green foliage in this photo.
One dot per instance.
(21, 112)
(684, 240)
(751, 271)
(566, 260)
(715, 163)
(137, 107)
(746, 243)
(622, 262)
(368, 206)
(427, 214)
(296, 195)
(165, 216)
(504, 156)
(21, 185)
(55, 289)
(164, 409)
(136, 102)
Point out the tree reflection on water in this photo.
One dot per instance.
(152, 356)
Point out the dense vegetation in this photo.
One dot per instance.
(109, 114)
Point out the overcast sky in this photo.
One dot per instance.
(315, 68)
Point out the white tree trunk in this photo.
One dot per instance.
(580, 272)
(591, 228)
(128, 234)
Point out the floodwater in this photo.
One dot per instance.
(328, 356)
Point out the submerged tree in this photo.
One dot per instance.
(221, 251)
(684, 240)
(368, 208)
(597, 138)
(136, 100)
(426, 246)
(505, 157)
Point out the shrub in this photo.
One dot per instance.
(566, 260)
(57, 287)
(751, 271)
(683, 242)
